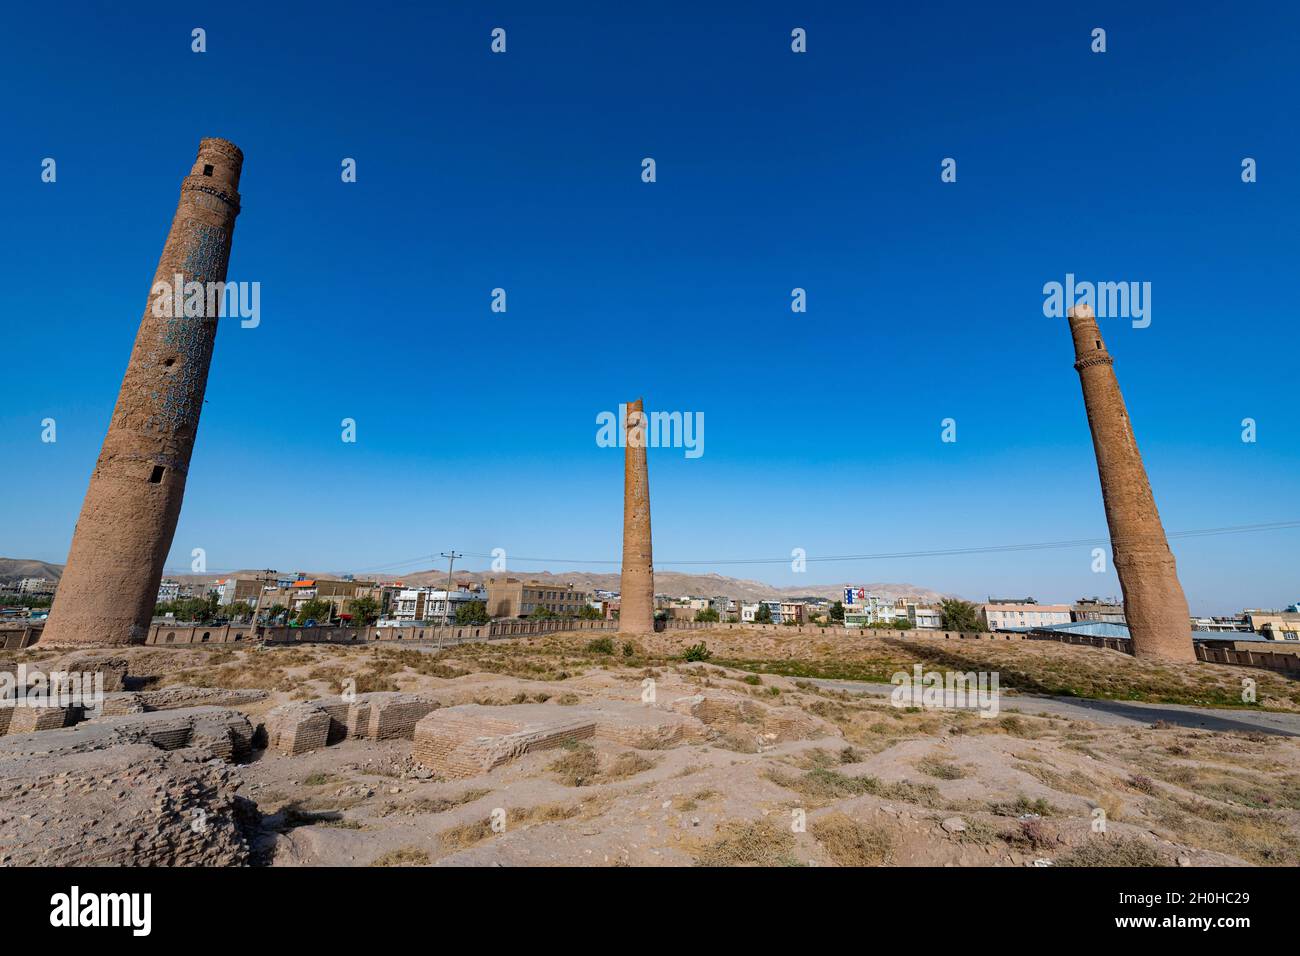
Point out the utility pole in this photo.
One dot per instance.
(451, 557)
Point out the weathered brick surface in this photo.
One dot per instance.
(773, 724)
(227, 731)
(471, 739)
(297, 728)
(26, 720)
(394, 716)
(109, 586)
(381, 715)
(637, 612)
(1154, 604)
(121, 703)
(125, 805)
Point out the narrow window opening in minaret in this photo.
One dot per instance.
(1099, 343)
(157, 476)
(207, 170)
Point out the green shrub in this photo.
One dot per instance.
(697, 652)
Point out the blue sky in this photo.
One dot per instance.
(476, 430)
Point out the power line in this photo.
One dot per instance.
(409, 564)
(939, 552)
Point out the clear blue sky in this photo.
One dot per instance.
(477, 430)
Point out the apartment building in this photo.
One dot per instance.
(513, 597)
(1095, 609)
(1275, 625)
(1001, 615)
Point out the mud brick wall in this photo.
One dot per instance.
(338, 711)
(642, 736)
(395, 717)
(26, 720)
(112, 670)
(174, 729)
(173, 698)
(297, 728)
(120, 703)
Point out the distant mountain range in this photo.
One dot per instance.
(674, 583)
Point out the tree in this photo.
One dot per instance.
(239, 611)
(959, 615)
(763, 615)
(190, 609)
(364, 610)
(707, 615)
(472, 613)
(275, 611)
(315, 610)
(837, 612)
(541, 613)
(589, 613)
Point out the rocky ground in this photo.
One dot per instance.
(773, 769)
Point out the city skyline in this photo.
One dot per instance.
(478, 430)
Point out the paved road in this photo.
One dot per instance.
(1115, 712)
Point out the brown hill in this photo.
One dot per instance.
(13, 570)
(673, 583)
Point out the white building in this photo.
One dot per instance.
(1000, 617)
(168, 591)
(862, 609)
(36, 586)
(926, 618)
(430, 604)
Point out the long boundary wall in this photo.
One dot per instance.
(165, 635)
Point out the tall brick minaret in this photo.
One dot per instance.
(637, 592)
(1154, 605)
(110, 584)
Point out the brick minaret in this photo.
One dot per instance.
(110, 584)
(1154, 605)
(637, 592)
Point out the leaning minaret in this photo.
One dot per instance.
(637, 592)
(110, 584)
(1154, 605)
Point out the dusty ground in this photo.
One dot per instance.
(874, 784)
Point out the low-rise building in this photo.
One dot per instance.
(512, 597)
(432, 604)
(920, 616)
(794, 612)
(862, 609)
(1275, 625)
(1095, 609)
(1003, 615)
(36, 587)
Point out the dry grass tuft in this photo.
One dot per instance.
(851, 843)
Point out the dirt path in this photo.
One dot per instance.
(1117, 712)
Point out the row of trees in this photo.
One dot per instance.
(956, 615)
(585, 613)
